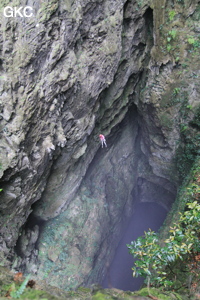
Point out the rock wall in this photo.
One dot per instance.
(128, 70)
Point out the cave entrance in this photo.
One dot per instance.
(27, 243)
(119, 274)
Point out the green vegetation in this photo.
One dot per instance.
(194, 41)
(191, 40)
(172, 14)
(17, 293)
(158, 294)
(170, 37)
(176, 91)
(160, 259)
(187, 151)
(158, 263)
(172, 33)
(190, 141)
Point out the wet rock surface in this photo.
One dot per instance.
(124, 69)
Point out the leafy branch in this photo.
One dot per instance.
(154, 259)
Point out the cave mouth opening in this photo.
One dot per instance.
(33, 223)
(34, 220)
(148, 16)
(101, 172)
(151, 197)
(147, 215)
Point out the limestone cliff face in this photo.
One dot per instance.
(127, 69)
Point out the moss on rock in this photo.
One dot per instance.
(158, 294)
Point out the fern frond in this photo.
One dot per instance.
(16, 294)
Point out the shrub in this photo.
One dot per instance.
(157, 263)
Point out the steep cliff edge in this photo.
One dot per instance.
(129, 70)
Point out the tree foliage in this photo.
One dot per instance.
(157, 262)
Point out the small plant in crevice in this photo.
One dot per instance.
(176, 91)
(171, 36)
(172, 33)
(17, 293)
(193, 41)
(193, 45)
(140, 3)
(172, 14)
(169, 47)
